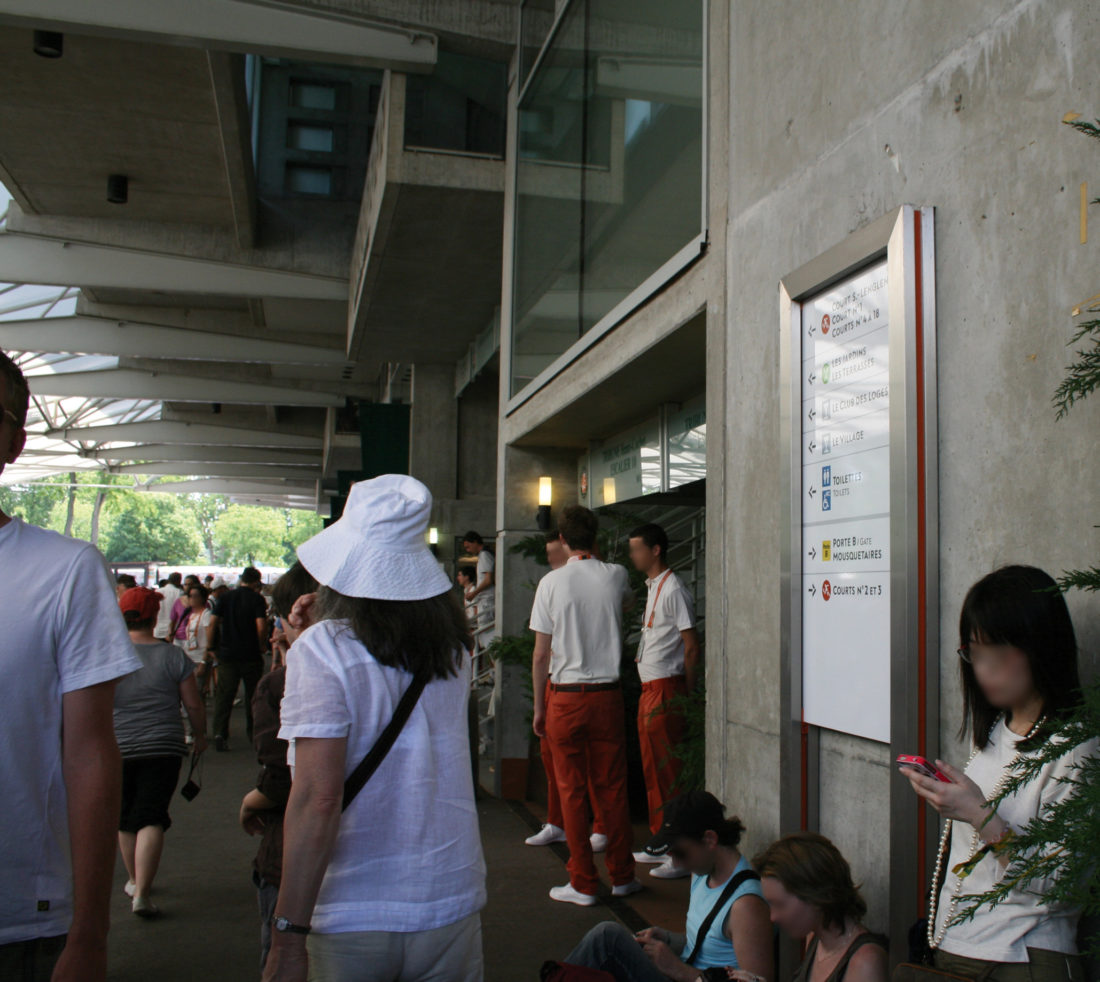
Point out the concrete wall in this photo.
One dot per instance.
(838, 113)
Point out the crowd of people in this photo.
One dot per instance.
(370, 863)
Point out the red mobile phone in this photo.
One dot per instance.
(921, 766)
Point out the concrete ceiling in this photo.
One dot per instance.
(112, 106)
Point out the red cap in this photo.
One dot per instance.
(142, 601)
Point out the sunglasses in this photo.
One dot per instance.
(14, 418)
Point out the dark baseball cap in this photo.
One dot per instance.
(689, 815)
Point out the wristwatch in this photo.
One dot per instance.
(284, 926)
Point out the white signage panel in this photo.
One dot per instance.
(846, 506)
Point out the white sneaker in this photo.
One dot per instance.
(129, 889)
(599, 842)
(648, 857)
(668, 870)
(549, 833)
(567, 895)
(634, 886)
(143, 908)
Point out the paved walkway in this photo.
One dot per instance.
(209, 930)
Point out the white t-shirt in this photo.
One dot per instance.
(194, 643)
(485, 564)
(580, 605)
(171, 594)
(1022, 921)
(62, 631)
(670, 609)
(408, 851)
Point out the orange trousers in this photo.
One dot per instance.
(660, 729)
(553, 799)
(587, 736)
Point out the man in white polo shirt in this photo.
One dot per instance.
(668, 657)
(577, 620)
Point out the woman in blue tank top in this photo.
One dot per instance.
(728, 925)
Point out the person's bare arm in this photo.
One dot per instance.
(92, 771)
(309, 835)
(196, 710)
(212, 632)
(691, 657)
(540, 668)
(486, 581)
(261, 631)
(749, 928)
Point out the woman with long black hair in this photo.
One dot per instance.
(1018, 664)
(392, 885)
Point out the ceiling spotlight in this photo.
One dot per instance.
(49, 44)
(118, 189)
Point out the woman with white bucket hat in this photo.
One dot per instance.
(387, 883)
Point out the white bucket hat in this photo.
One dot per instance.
(377, 548)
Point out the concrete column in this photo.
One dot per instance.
(452, 449)
(433, 433)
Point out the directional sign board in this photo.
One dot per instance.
(846, 505)
(859, 563)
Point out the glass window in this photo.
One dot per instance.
(609, 167)
(536, 19)
(312, 95)
(300, 136)
(301, 179)
(460, 106)
(687, 443)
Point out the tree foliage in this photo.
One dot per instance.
(138, 526)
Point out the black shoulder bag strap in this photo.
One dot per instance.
(729, 891)
(369, 764)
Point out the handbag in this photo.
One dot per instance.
(386, 739)
(190, 790)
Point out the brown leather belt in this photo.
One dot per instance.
(586, 687)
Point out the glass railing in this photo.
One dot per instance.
(609, 181)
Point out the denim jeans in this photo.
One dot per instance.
(610, 947)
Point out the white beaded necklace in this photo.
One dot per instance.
(936, 939)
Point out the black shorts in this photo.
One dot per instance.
(148, 784)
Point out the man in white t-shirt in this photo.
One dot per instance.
(577, 620)
(668, 658)
(64, 646)
(171, 591)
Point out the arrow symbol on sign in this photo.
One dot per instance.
(813, 378)
(813, 590)
(813, 490)
(811, 446)
(813, 412)
(813, 552)
(810, 332)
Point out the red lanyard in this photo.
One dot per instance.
(660, 587)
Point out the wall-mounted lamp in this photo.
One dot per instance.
(118, 189)
(609, 490)
(433, 536)
(546, 497)
(49, 44)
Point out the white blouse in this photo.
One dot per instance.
(1022, 920)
